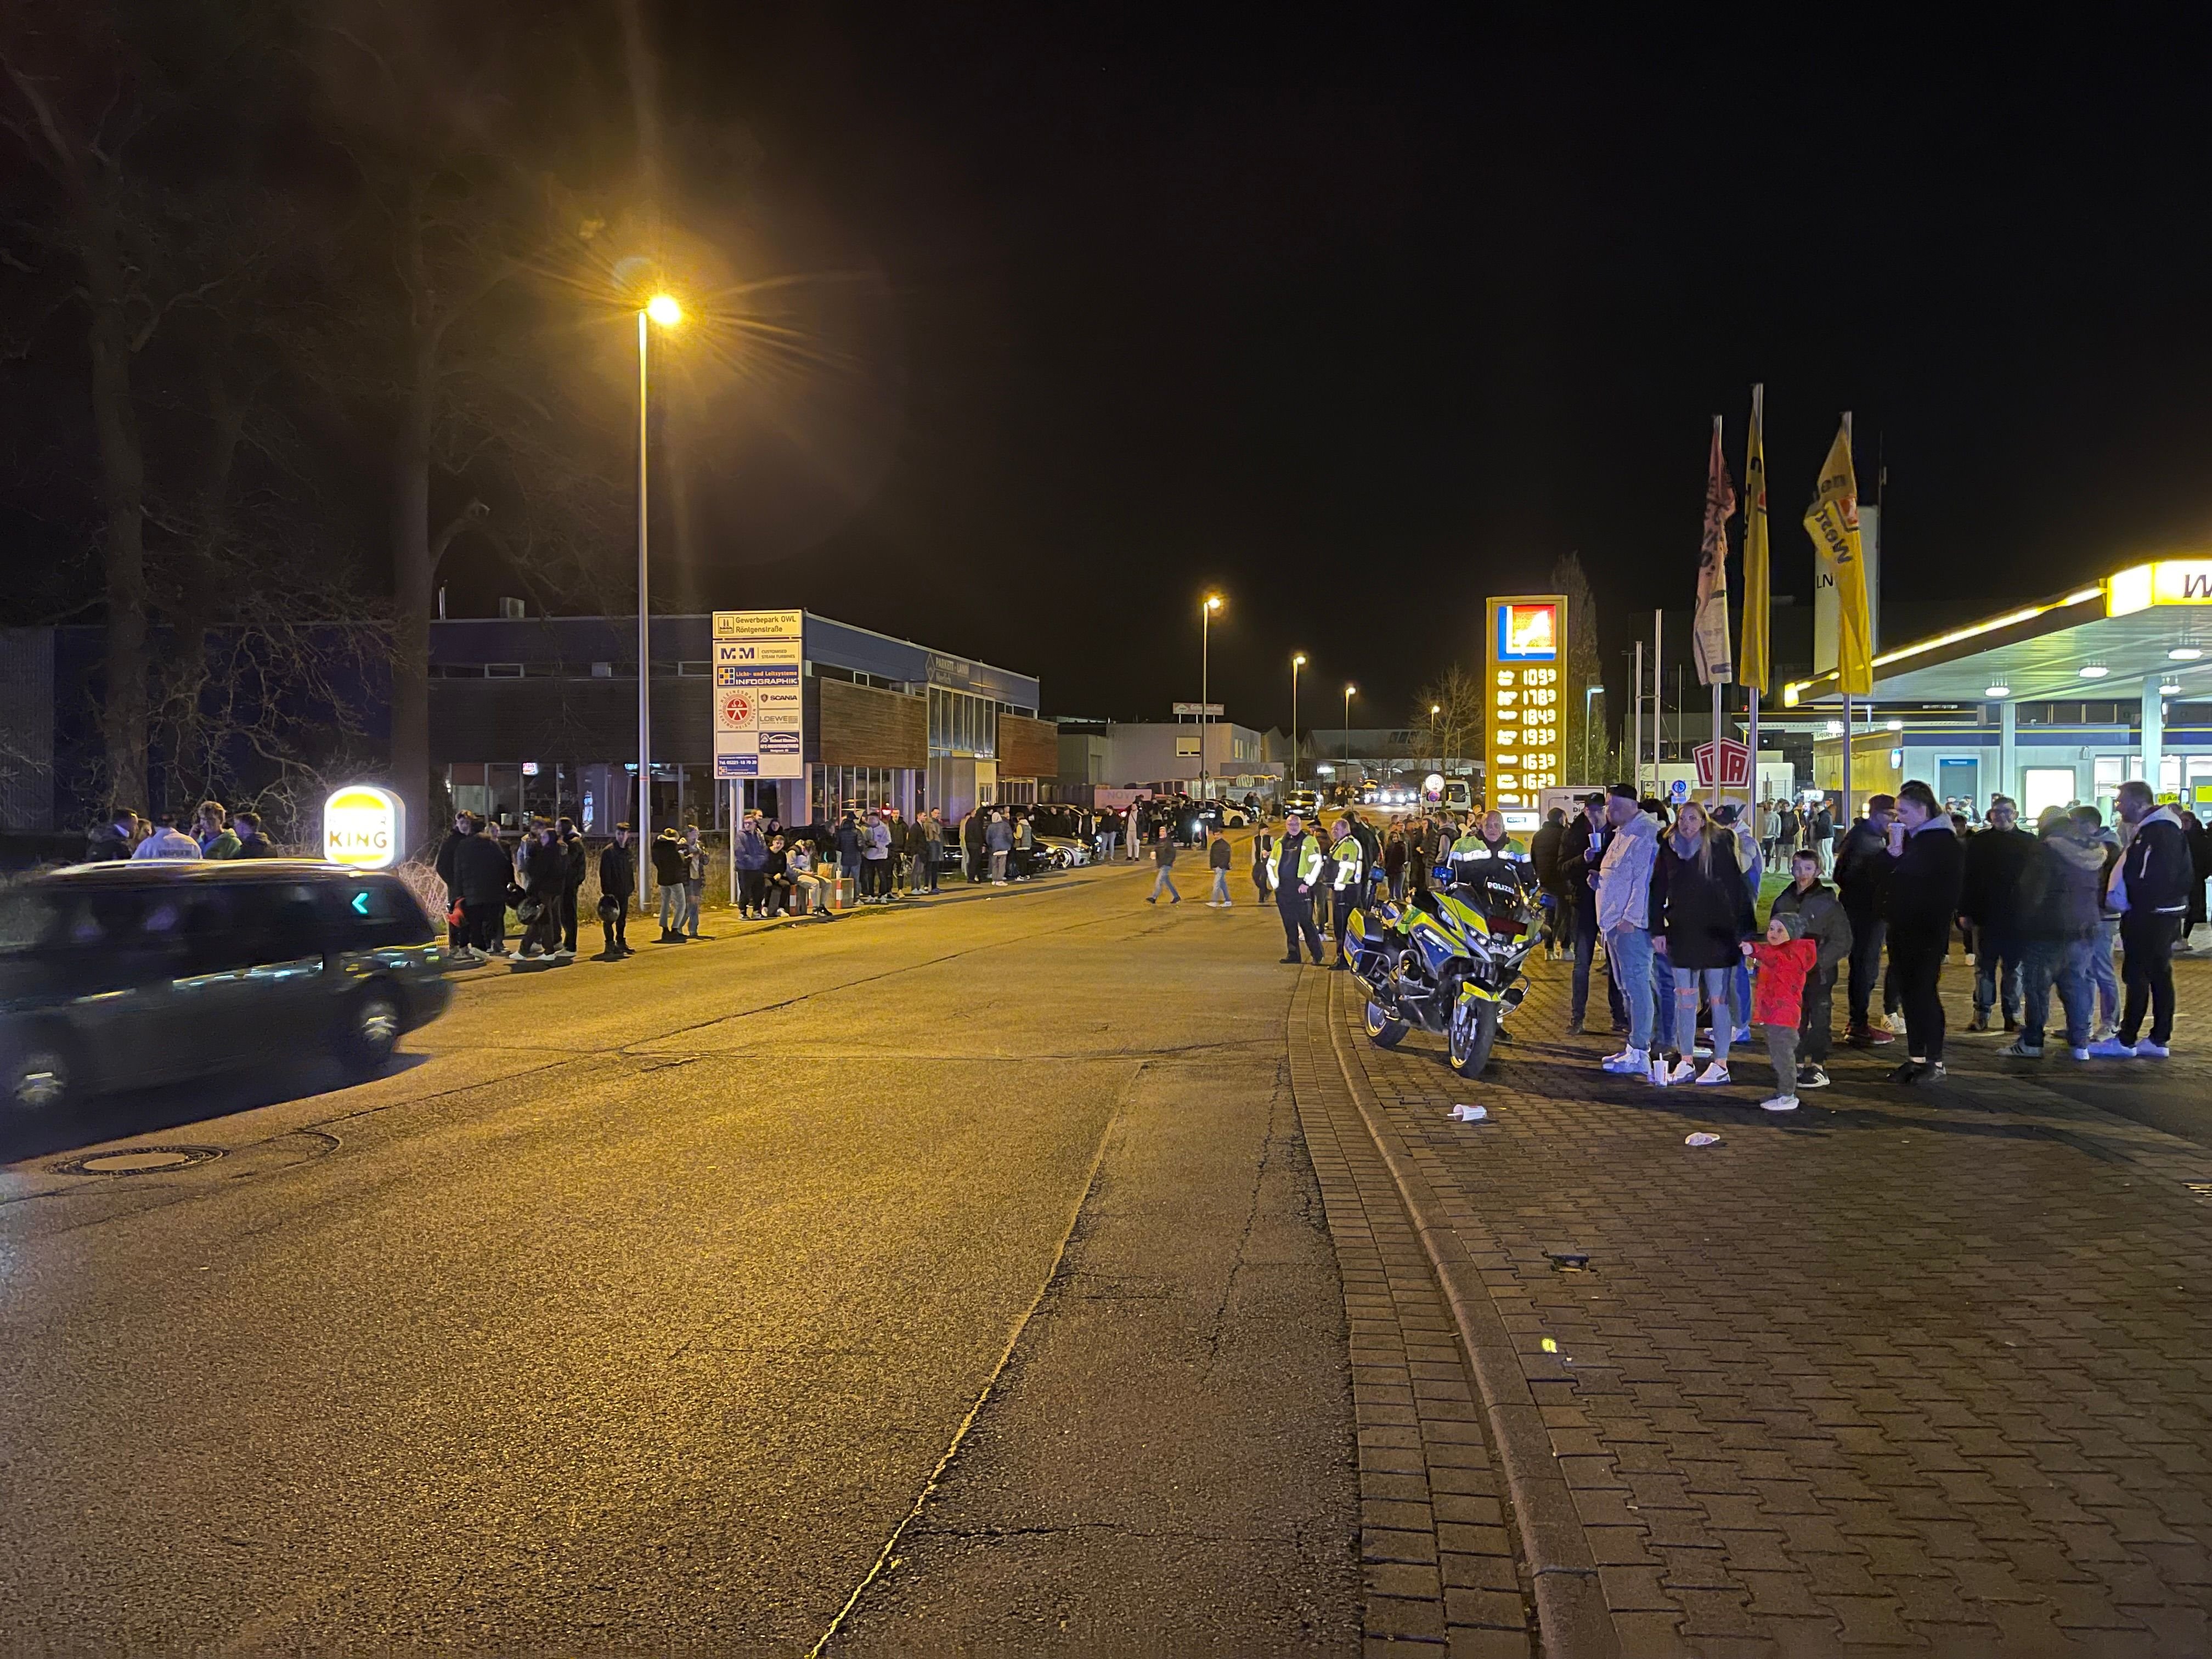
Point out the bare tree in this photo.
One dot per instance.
(1459, 720)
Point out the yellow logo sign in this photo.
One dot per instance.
(363, 827)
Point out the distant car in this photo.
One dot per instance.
(1215, 815)
(1305, 802)
(118, 976)
(1062, 851)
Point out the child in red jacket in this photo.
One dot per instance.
(1780, 968)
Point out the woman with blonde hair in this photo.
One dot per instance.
(1701, 914)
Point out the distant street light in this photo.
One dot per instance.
(1589, 691)
(1350, 692)
(1205, 642)
(1434, 710)
(1297, 661)
(662, 310)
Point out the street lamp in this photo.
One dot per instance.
(660, 311)
(1434, 710)
(1350, 692)
(1297, 661)
(1204, 643)
(1589, 691)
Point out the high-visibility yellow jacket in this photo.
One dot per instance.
(1349, 855)
(1308, 861)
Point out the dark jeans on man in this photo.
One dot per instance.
(2147, 941)
(752, 892)
(2063, 963)
(1297, 910)
(1992, 990)
(1346, 901)
(613, 927)
(568, 919)
(1585, 938)
(1818, 1015)
(1867, 933)
(1919, 965)
(481, 921)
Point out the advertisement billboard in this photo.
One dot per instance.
(760, 722)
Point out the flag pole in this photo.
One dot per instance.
(1848, 734)
(1658, 721)
(1755, 487)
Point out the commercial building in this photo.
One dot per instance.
(2051, 702)
(540, 715)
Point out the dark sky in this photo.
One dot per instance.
(1366, 316)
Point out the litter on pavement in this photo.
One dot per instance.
(1470, 1114)
(1700, 1138)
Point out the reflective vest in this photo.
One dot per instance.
(1349, 855)
(1309, 862)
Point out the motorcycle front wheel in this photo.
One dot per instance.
(1473, 1029)
(1383, 1030)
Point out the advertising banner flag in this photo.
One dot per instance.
(1755, 670)
(1832, 521)
(1710, 634)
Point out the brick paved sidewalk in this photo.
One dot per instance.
(1903, 1372)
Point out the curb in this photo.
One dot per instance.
(1571, 1615)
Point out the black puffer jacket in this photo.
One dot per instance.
(481, 870)
(1701, 908)
(1921, 893)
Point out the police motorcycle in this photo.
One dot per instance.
(1449, 960)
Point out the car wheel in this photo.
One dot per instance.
(370, 1033)
(1383, 1030)
(38, 1079)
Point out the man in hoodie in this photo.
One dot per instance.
(1862, 869)
(2062, 897)
(448, 866)
(617, 881)
(481, 873)
(2152, 889)
(1622, 885)
(1925, 874)
(2104, 967)
(1998, 859)
(750, 854)
(668, 871)
(998, 840)
(1821, 918)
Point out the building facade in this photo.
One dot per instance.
(540, 715)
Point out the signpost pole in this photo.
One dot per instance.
(1636, 748)
(642, 812)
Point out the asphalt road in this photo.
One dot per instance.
(952, 1277)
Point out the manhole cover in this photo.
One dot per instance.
(138, 1160)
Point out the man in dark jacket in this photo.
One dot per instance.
(1582, 846)
(252, 844)
(447, 865)
(1925, 871)
(113, 839)
(750, 854)
(481, 875)
(544, 866)
(669, 871)
(1861, 870)
(618, 882)
(1544, 860)
(2062, 904)
(2156, 871)
(577, 859)
(1822, 920)
(1998, 860)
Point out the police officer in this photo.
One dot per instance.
(1294, 875)
(1347, 882)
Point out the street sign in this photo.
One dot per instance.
(759, 700)
(1194, 710)
(1734, 764)
(1679, 791)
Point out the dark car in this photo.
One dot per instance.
(118, 976)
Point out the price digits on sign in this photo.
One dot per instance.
(1524, 716)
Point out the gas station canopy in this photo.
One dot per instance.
(2149, 622)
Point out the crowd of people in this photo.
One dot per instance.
(1671, 897)
(213, 833)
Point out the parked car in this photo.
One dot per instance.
(1305, 802)
(118, 976)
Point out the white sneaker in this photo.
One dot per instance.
(1685, 1071)
(1716, 1072)
(2148, 1050)
(2113, 1049)
(1627, 1060)
(2077, 1053)
(1779, 1103)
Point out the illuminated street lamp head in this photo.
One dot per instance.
(1298, 659)
(664, 310)
(1213, 602)
(1350, 690)
(1434, 710)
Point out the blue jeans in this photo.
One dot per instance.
(1628, 957)
(2064, 963)
(1585, 948)
(1714, 983)
(1662, 1000)
(2105, 974)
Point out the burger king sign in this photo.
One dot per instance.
(364, 826)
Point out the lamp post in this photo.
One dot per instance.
(1434, 710)
(1297, 661)
(663, 311)
(1589, 691)
(1350, 692)
(1205, 643)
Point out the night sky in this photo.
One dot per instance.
(1363, 317)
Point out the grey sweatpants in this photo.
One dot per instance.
(1782, 1049)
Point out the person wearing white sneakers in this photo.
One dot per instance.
(1780, 968)
(1623, 881)
(1701, 914)
(2151, 888)
(2062, 898)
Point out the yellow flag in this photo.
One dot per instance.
(1833, 523)
(1754, 670)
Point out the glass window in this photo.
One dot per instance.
(2045, 786)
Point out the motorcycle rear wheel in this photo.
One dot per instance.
(1383, 1030)
(1473, 1030)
